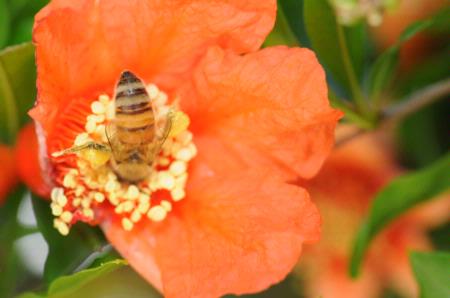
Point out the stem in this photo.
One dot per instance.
(406, 107)
(416, 101)
(354, 86)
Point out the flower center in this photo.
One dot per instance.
(91, 182)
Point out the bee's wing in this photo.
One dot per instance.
(110, 132)
(155, 147)
(166, 129)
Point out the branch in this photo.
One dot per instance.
(416, 101)
(406, 107)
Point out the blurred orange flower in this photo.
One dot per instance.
(8, 175)
(343, 190)
(256, 121)
(395, 21)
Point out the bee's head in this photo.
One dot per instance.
(127, 77)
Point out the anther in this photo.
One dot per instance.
(152, 91)
(157, 213)
(66, 216)
(177, 194)
(178, 167)
(166, 205)
(98, 107)
(127, 224)
(61, 226)
(166, 180)
(99, 197)
(57, 210)
(132, 192)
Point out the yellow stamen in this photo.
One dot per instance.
(178, 167)
(66, 216)
(166, 205)
(69, 181)
(127, 224)
(136, 216)
(99, 197)
(157, 213)
(177, 194)
(98, 108)
(180, 123)
(132, 193)
(90, 126)
(152, 91)
(166, 180)
(57, 210)
(89, 213)
(61, 226)
(92, 182)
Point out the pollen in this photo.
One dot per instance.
(127, 224)
(61, 226)
(157, 213)
(89, 188)
(66, 216)
(98, 108)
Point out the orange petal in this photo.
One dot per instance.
(8, 175)
(358, 169)
(27, 161)
(82, 46)
(269, 108)
(231, 234)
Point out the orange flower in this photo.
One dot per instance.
(8, 176)
(358, 170)
(27, 163)
(217, 202)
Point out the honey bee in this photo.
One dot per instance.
(134, 138)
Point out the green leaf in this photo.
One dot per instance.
(17, 88)
(281, 33)
(113, 279)
(4, 23)
(22, 30)
(30, 295)
(66, 253)
(432, 271)
(400, 195)
(9, 227)
(439, 236)
(428, 126)
(293, 11)
(66, 284)
(432, 69)
(331, 43)
(24, 8)
(383, 69)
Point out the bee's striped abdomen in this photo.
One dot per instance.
(135, 118)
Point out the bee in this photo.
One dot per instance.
(134, 138)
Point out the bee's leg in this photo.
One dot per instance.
(96, 154)
(88, 146)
